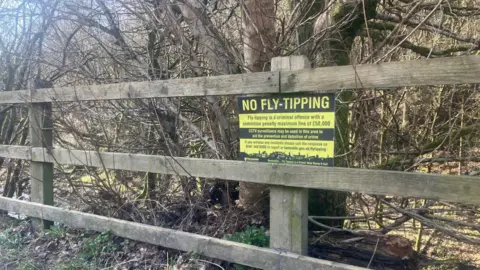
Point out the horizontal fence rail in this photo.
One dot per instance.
(462, 189)
(450, 70)
(252, 256)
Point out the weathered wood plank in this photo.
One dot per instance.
(252, 83)
(208, 246)
(41, 135)
(18, 96)
(463, 189)
(289, 219)
(15, 151)
(289, 205)
(449, 70)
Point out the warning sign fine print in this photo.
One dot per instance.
(287, 129)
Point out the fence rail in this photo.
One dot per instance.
(452, 70)
(288, 182)
(462, 189)
(257, 257)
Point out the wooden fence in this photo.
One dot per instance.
(289, 183)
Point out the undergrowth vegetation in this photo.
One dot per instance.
(251, 235)
(62, 248)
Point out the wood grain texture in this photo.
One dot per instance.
(208, 246)
(289, 219)
(12, 97)
(289, 205)
(449, 70)
(464, 189)
(252, 83)
(15, 151)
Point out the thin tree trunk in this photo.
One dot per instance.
(259, 32)
(335, 50)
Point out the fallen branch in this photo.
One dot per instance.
(455, 222)
(355, 217)
(427, 222)
(333, 229)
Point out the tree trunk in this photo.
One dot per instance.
(335, 46)
(259, 38)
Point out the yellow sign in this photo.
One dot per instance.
(288, 129)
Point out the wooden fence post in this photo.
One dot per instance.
(41, 135)
(289, 205)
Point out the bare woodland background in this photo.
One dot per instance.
(433, 129)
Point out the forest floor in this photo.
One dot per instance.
(65, 248)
